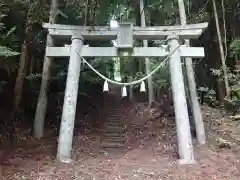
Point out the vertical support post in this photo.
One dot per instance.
(145, 44)
(42, 99)
(197, 115)
(125, 35)
(70, 101)
(180, 105)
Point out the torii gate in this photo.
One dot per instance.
(125, 34)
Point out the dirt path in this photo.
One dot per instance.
(151, 154)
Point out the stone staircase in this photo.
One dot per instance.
(112, 131)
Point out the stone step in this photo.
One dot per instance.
(116, 137)
(113, 139)
(109, 133)
(114, 115)
(112, 126)
(113, 109)
(112, 145)
(112, 123)
(112, 142)
(112, 118)
(112, 135)
(115, 119)
(119, 139)
(112, 131)
(117, 128)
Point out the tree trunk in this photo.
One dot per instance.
(18, 88)
(21, 72)
(86, 13)
(236, 34)
(32, 65)
(139, 61)
(145, 44)
(222, 56)
(192, 84)
(42, 99)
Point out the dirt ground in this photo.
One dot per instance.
(150, 153)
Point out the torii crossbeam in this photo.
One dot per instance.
(191, 31)
(125, 34)
(194, 52)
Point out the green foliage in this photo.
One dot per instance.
(235, 47)
(6, 38)
(99, 12)
(233, 78)
(209, 96)
(162, 77)
(5, 52)
(37, 12)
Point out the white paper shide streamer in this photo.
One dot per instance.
(105, 87)
(124, 91)
(142, 87)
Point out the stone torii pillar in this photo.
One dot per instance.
(185, 148)
(70, 101)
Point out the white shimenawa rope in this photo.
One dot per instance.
(133, 82)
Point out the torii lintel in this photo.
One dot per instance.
(191, 31)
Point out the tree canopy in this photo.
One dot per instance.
(16, 16)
